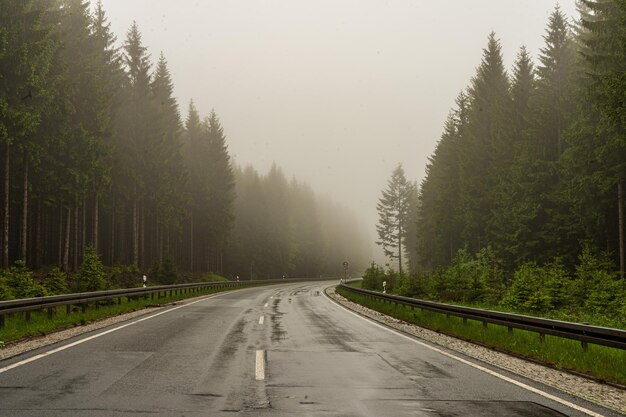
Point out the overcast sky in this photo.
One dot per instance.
(336, 92)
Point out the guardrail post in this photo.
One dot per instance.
(68, 309)
(542, 338)
(27, 315)
(51, 312)
(584, 345)
(510, 329)
(152, 295)
(83, 307)
(119, 300)
(1, 321)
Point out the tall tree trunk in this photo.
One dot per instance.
(191, 244)
(95, 222)
(83, 229)
(24, 234)
(135, 231)
(75, 246)
(113, 258)
(60, 246)
(620, 205)
(5, 222)
(66, 246)
(400, 247)
(142, 235)
(39, 239)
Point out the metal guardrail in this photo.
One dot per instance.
(584, 333)
(82, 299)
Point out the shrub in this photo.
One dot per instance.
(125, 276)
(90, 275)
(55, 282)
(20, 282)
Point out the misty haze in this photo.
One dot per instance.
(346, 208)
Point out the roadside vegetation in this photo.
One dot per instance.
(19, 282)
(592, 292)
(601, 362)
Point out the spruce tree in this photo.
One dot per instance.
(394, 216)
(484, 144)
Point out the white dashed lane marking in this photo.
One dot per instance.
(260, 365)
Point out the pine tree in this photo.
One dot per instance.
(221, 186)
(394, 216)
(439, 220)
(484, 144)
(27, 47)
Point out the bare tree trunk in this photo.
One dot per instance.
(75, 246)
(620, 205)
(5, 222)
(95, 222)
(66, 250)
(24, 234)
(191, 243)
(38, 236)
(113, 259)
(142, 235)
(60, 246)
(83, 229)
(135, 231)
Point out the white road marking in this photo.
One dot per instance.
(261, 319)
(266, 304)
(476, 366)
(78, 342)
(260, 365)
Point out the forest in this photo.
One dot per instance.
(522, 202)
(99, 165)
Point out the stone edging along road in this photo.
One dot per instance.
(605, 395)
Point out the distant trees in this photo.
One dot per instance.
(394, 215)
(98, 169)
(282, 229)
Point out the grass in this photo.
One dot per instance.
(601, 362)
(16, 327)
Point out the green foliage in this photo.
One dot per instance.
(125, 276)
(91, 275)
(163, 273)
(394, 215)
(56, 282)
(597, 287)
(18, 282)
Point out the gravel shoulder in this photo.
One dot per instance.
(605, 395)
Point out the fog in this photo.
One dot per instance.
(336, 93)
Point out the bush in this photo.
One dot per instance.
(91, 275)
(55, 282)
(526, 292)
(375, 276)
(20, 283)
(125, 276)
(163, 273)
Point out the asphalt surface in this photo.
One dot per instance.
(307, 356)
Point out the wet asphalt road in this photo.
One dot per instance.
(316, 359)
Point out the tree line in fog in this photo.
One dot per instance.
(95, 154)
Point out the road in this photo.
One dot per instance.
(282, 350)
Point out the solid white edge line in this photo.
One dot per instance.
(474, 365)
(260, 365)
(95, 336)
(261, 319)
(266, 304)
